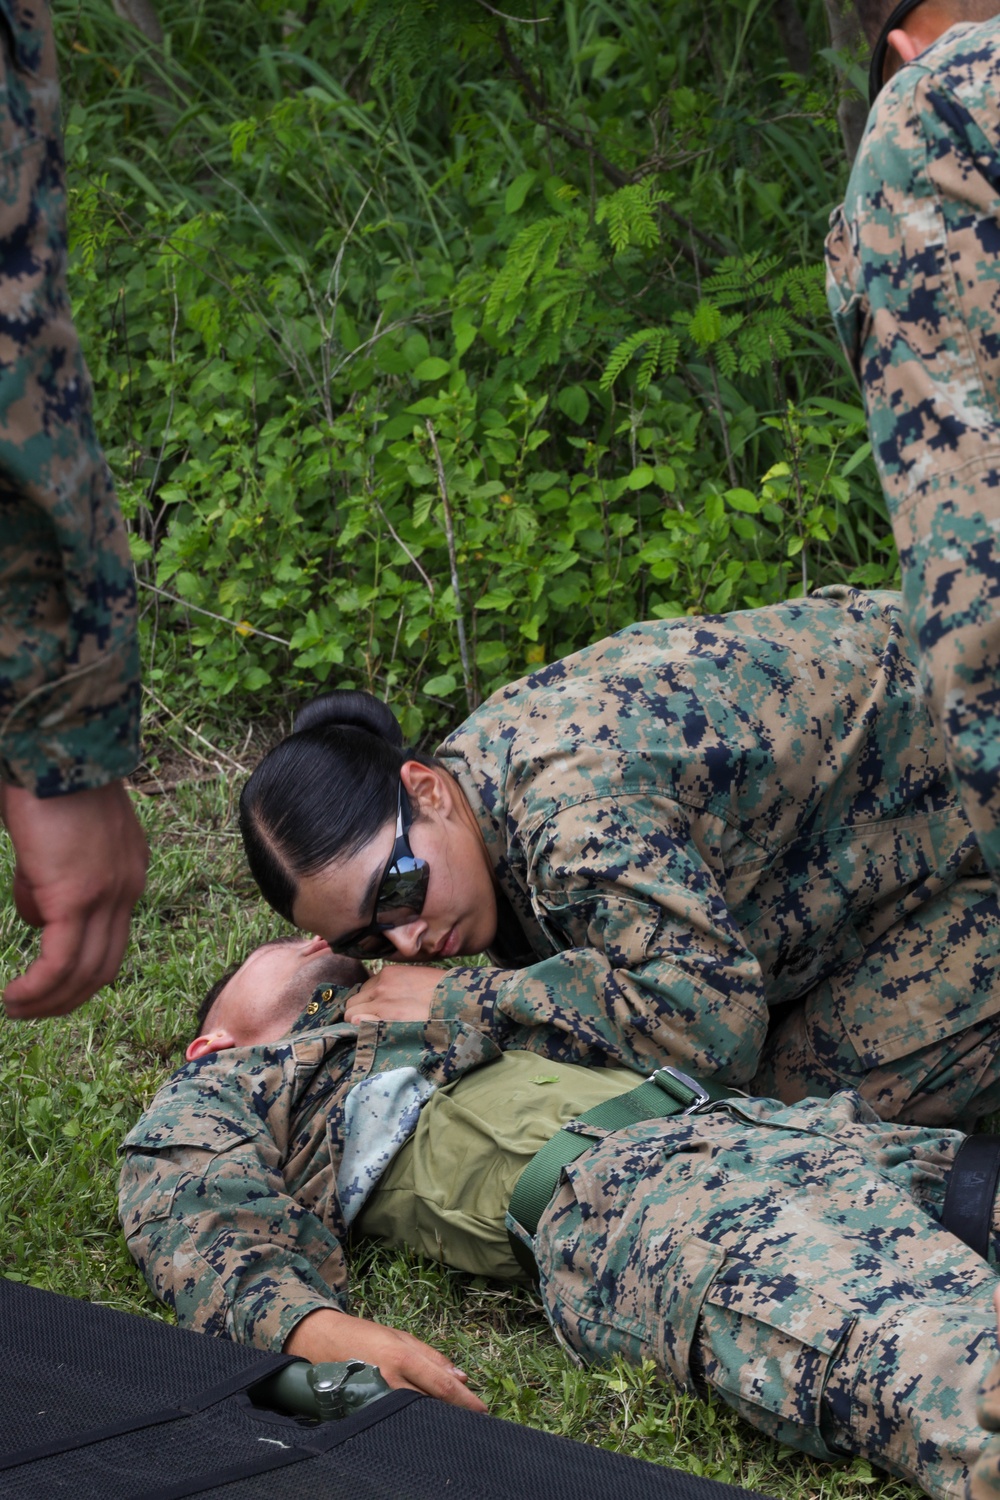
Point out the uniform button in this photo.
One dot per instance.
(327, 995)
(312, 1008)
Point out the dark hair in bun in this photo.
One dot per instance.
(323, 793)
(350, 711)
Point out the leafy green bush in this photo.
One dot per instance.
(429, 347)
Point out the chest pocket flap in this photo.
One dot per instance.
(204, 1129)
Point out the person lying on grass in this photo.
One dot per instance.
(733, 840)
(791, 1259)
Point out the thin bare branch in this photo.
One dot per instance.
(151, 487)
(400, 543)
(518, 20)
(449, 531)
(613, 174)
(720, 412)
(244, 628)
(243, 770)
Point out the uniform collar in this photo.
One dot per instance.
(326, 1006)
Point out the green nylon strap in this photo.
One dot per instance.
(665, 1093)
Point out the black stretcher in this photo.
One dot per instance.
(101, 1405)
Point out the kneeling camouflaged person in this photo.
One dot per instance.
(732, 841)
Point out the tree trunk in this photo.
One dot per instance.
(143, 16)
(794, 38)
(847, 37)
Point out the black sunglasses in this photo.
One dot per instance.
(400, 896)
(881, 47)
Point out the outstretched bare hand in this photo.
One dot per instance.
(405, 1362)
(80, 868)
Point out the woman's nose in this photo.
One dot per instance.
(407, 938)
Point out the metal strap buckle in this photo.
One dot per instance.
(672, 1081)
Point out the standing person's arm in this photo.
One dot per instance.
(913, 262)
(69, 671)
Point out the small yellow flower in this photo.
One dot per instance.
(244, 628)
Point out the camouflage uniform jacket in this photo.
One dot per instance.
(69, 670)
(913, 280)
(241, 1180)
(694, 820)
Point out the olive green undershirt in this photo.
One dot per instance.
(446, 1192)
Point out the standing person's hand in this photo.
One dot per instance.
(80, 868)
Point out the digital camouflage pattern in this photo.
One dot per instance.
(69, 668)
(242, 1178)
(913, 279)
(788, 1258)
(232, 1191)
(696, 820)
(985, 1483)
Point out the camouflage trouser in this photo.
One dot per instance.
(789, 1259)
(940, 964)
(986, 1475)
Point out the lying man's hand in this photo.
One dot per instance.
(80, 868)
(405, 1362)
(400, 992)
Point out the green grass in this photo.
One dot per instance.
(71, 1089)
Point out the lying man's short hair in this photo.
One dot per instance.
(247, 1005)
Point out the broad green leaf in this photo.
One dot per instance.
(518, 191)
(431, 369)
(743, 500)
(574, 403)
(415, 349)
(496, 599)
(440, 687)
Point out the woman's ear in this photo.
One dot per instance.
(215, 1041)
(918, 30)
(427, 787)
(905, 46)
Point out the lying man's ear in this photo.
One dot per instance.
(215, 1041)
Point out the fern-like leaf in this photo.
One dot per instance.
(660, 349)
(630, 215)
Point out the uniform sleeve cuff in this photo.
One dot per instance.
(66, 751)
(268, 1316)
(469, 995)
